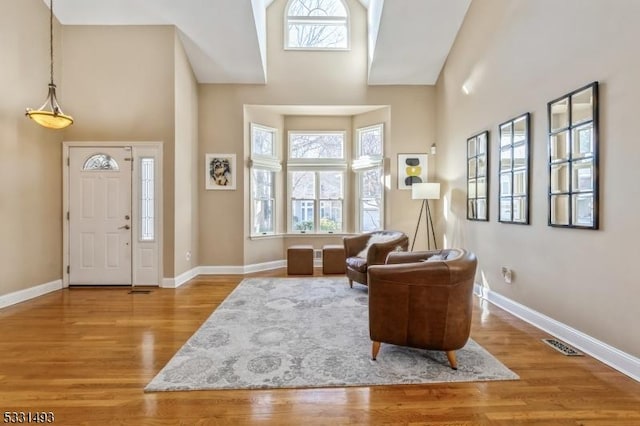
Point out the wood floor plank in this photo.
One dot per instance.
(86, 354)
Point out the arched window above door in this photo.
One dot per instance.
(100, 162)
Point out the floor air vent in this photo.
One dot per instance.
(138, 291)
(562, 347)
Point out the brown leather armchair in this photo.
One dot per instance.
(422, 304)
(379, 243)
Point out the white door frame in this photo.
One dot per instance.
(137, 149)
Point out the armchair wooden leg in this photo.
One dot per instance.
(451, 356)
(374, 350)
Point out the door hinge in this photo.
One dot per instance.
(68, 216)
(68, 269)
(68, 161)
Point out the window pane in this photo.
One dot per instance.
(371, 142)
(331, 215)
(302, 215)
(263, 142)
(262, 184)
(147, 232)
(371, 183)
(263, 219)
(331, 185)
(370, 203)
(317, 146)
(370, 215)
(318, 8)
(320, 36)
(303, 185)
(262, 190)
(317, 24)
(101, 162)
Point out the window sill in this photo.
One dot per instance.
(299, 235)
(266, 236)
(317, 235)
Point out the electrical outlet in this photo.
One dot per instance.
(188, 255)
(507, 274)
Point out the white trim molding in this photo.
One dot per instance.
(613, 357)
(240, 270)
(29, 293)
(221, 270)
(181, 279)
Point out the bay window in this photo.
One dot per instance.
(316, 176)
(265, 164)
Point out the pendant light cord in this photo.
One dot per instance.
(51, 37)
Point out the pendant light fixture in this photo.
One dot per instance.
(50, 114)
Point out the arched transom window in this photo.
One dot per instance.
(316, 24)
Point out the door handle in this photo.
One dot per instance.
(124, 227)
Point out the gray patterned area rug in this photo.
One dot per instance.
(306, 332)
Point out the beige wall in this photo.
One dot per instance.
(302, 78)
(515, 56)
(30, 156)
(186, 155)
(120, 82)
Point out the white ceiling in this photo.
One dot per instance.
(225, 40)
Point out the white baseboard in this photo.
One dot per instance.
(222, 270)
(266, 266)
(181, 279)
(29, 293)
(615, 358)
(241, 270)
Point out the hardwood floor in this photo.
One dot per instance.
(85, 354)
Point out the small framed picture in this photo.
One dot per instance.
(220, 171)
(412, 168)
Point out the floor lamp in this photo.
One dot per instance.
(425, 192)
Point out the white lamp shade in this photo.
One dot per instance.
(425, 191)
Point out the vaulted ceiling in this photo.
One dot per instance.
(225, 40)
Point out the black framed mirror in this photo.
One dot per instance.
(478, 177)
(513, 172)
(573, 159)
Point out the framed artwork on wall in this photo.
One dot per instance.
(220, 171)
(412, 168)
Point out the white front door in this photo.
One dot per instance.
(100, 215)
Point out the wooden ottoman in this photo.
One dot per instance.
(333, 259)
(300, 260)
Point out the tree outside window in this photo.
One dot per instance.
(317, 24)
